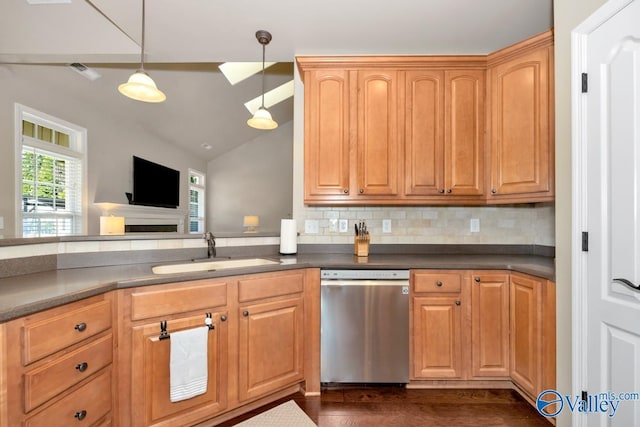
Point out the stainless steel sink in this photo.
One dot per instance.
(191, 267)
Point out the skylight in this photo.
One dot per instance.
(271, 98)
(236, 72)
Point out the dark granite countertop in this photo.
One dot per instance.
(30, 293)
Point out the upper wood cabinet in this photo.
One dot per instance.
(431, 129)
(352, 147)
(521, 109)
(327, 135)
(444, 134)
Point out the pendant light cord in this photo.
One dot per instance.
(142, 44)
(263, 49)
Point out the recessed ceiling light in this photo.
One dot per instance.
(271, 98)
(236, 72)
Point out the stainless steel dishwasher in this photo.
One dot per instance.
(364, 326)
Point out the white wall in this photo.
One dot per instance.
(111, 144)
(567, 15)
(253, 179)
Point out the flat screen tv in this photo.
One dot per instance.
(155, 185)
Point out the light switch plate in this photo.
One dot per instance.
(311, 226)
(343, 225)
(386, 226)
(474, 225)
(333, 225)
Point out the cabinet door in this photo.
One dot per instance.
(423, 133)
(327, 127)
(526, 332)
(464, 133)
(150, 403)
(437, 339)
(270, 346)
(521, 126)
(377, 149)
(490, 325)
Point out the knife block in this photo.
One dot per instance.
(360, 247)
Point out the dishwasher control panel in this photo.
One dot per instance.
(362, 274)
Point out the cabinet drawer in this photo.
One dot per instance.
(53, 378)
(91, 402)
(270, 285)
(174, 298)
(51, 333)
(436, 282)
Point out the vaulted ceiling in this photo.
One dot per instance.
(186, 40)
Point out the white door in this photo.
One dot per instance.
(608, 203)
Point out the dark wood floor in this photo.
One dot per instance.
(397, 406)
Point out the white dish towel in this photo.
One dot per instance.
(188, 363)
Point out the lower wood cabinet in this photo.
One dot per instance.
(57, 366)
(438, 307)
(489, 324)
(256, 347)
(150, 357)
(532, 325)
(270, 352)
(483, 326)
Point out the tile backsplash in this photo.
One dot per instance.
(512, 224)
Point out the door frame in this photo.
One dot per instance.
(579, 56)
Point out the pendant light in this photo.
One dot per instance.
(140, 85)
(262, 118)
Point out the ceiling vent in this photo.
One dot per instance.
(48, 1)
(87, 72)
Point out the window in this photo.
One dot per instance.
(196, 201)
(51, 165)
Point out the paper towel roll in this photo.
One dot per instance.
(288, 237)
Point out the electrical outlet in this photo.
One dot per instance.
(311, 226)
(333, 225)
(343, 225)
(474, 225)
(386, 226)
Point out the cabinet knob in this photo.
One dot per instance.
(494, 191)
(449, 191)
(345, 191)
(362, 191)
(439, 284)
(81, 415)
(441, 191)
(477, 279)
(245, 313)
(458, 302)
(223, 318)
(82, 366)
(80, 327)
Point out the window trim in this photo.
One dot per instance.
(79, 151)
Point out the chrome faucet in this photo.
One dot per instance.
(211, 244)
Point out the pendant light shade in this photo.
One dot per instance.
(140, 85)
(262, 118)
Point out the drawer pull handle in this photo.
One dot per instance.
(80, 327)
(82, 366)
(81, 415)
(439, 284)
(245, 313)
